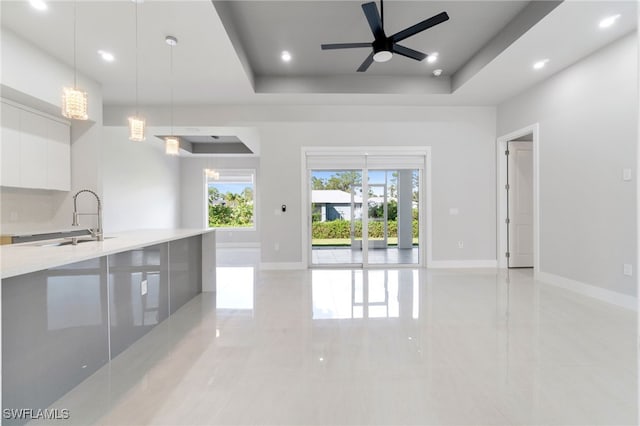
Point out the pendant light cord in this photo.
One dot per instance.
(137, 71)
(75, 38)
(171, 86)
(382, 14)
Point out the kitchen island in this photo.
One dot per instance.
(67, 310)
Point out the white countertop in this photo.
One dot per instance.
(18, 259)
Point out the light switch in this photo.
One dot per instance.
(626, 175)
(628, 270)
(453, 211)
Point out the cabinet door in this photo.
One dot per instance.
(58, 157)
(33, 154)
(10, 146)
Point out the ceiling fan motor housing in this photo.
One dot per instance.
(382, 50)
(382, 45)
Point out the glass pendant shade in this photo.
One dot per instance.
(74, 104)
(172, 145)
(136, 128)
(212, 174)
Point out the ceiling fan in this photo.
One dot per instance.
(384, 47)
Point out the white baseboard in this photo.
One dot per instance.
(453, 264)
(237, 245)
(618, 299)
(281, 266)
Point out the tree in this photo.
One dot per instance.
(318, 183)
(344, 181)
(247, 194)
(231, 209)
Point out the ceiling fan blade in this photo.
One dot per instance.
(367, 62)
(419, 27)
(409, 53)
(373, 17)
(344, 45)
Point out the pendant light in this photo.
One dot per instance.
(172, 144)
(74, 101)
(136, 123)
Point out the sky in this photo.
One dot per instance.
(375, 176)
(234, 188)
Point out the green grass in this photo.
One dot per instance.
(346, 242)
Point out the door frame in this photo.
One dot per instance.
(425, 242)
(502, 200)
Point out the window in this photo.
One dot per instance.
(231, 198)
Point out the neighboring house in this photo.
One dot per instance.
(333, 204)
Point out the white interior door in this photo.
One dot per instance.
(520, 218)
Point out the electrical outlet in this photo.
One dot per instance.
(453, 211)
(13, 216)
(460, 244)
(276, 246)
(143, 287)
(628, 270)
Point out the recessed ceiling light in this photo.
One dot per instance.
(106, 56)
(437, 72)
(540, 64)
(38, 4)
(285, 56)
(608, 21)
(432, 58)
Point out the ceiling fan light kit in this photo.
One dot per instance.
(384, 47)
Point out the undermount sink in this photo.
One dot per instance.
(66, 242)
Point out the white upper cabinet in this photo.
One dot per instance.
(10, 146)
(59, 156)
(35, 151)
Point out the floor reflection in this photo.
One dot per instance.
(333, 347)
(353, 294)
(235, 287)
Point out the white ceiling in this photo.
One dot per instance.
(210, 66)
(267, 28)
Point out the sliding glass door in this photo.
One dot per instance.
(393, 216)
(336, 217)
(365, 215)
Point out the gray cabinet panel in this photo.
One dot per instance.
(54, 332)
(185, 270)
(59, 324)
(134, 314)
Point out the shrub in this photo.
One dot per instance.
(341, 229)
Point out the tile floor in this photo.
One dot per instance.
(383, 347)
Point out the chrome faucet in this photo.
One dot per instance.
(95, 233)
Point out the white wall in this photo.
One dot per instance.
(32, 77)
(463, 175)
(192, 190)
(141, 184)
(588, 133)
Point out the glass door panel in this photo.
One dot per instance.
(393, 216)
(336, 217)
